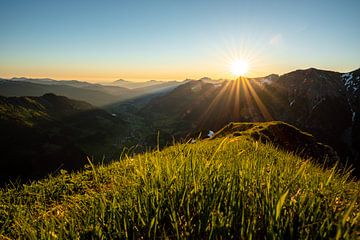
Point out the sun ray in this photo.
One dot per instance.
(212, 106)
(237, 100)
(264, 111)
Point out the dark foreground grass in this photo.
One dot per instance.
(224, 188)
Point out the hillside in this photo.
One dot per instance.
(230, 187)
(42, 134)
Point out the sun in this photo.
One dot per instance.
(239, 67)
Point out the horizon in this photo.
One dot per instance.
(142, 41)
(162, 80)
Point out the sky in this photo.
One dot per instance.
(173, 40)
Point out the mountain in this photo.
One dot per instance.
(198, 105)
(351, 81)
(227, 187)
(49, 81)
(43, 134)
(113, 90)
(209, 80)
(266, 80)
(133, 85)
(149, 89)
(96, 97)
(324, 103)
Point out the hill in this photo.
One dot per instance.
(43, 134)
(229, 187)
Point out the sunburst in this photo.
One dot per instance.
(239, 67)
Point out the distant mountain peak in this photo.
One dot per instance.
(273, 75)
(205, 79)
(120, 81)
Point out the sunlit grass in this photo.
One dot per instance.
(228, 188)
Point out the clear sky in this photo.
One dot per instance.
(102, 40)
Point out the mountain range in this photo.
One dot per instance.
(44, 132)
(94, 93)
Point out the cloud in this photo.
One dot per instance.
(276, 39)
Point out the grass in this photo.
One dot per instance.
(223, 188)
(255, 128)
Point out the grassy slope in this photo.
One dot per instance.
(285, 137)
(231, 187)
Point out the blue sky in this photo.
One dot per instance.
(139, 40)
